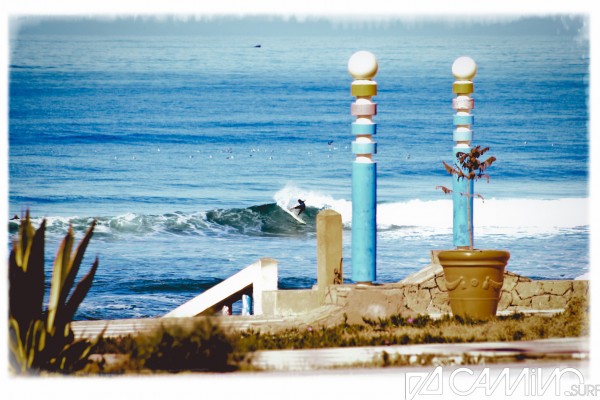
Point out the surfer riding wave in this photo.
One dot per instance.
(300, 207)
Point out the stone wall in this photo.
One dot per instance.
(424, 292)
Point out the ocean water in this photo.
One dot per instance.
(186, 148)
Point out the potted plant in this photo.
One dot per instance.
(474, 277)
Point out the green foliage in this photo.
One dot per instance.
(205, 347)
(398, 329)
(42, 339)
(201, 346)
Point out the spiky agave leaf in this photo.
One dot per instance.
(60, 270)
(26, 354)
(74, 355)
(15, 345)
(36, 343)
(70, 278)
(26, 274)
(79, 293)
(23, 245)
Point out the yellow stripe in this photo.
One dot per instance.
(363, 90)
(462, 87)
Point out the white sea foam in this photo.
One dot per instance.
(288, 197)
(411, 218)
(515, 217)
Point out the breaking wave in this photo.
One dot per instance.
(512, 217)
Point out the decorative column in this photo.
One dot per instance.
(246, 305)
(363, 67)
(464, 70)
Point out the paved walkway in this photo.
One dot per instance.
(568, 349)
(575, 349)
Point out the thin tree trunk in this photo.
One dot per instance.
(469, 223)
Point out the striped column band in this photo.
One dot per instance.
(462, 87)
(463, 103)
(363, 89)
(462, 135)
(364, 129)
(364, 147)
(363, 109)
(464, 120)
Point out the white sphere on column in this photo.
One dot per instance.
(464, 68)
(362, 65)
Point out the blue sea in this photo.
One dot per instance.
(186, 148)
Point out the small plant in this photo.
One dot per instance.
(42, 339)
(469, 167)
(204, 346)
(199, 345)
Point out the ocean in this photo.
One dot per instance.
(186, 148)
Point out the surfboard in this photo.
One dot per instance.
(293, 214)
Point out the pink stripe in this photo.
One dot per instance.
(363, 109)
(463, 104)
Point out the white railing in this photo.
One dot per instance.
(252, 280)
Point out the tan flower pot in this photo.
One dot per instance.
(474, 280)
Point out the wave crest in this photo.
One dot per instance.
(422, 218)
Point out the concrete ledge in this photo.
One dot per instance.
(447, 353)
(324, 315)
(290, 302)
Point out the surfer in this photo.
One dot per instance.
(301, 207)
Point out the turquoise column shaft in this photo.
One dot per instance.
(460, 187)
(247, 305)
(364, 219)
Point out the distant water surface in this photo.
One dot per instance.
(186, 148)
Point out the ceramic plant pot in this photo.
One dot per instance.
(474, 280)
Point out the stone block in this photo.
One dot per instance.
(428, 284)
(510, 281)
(417, 299)
(526, 290)
(440, 302)
(339, 295)
(548, 302)
(580, 288)
(374, 303)
(375, 311)
(435, 256)
(516, 301)
(558, 288)
(291, 302)
(440, 281)
(505, 300)
(330, 296)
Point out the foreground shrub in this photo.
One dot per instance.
(42, 339)
(201, 346)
